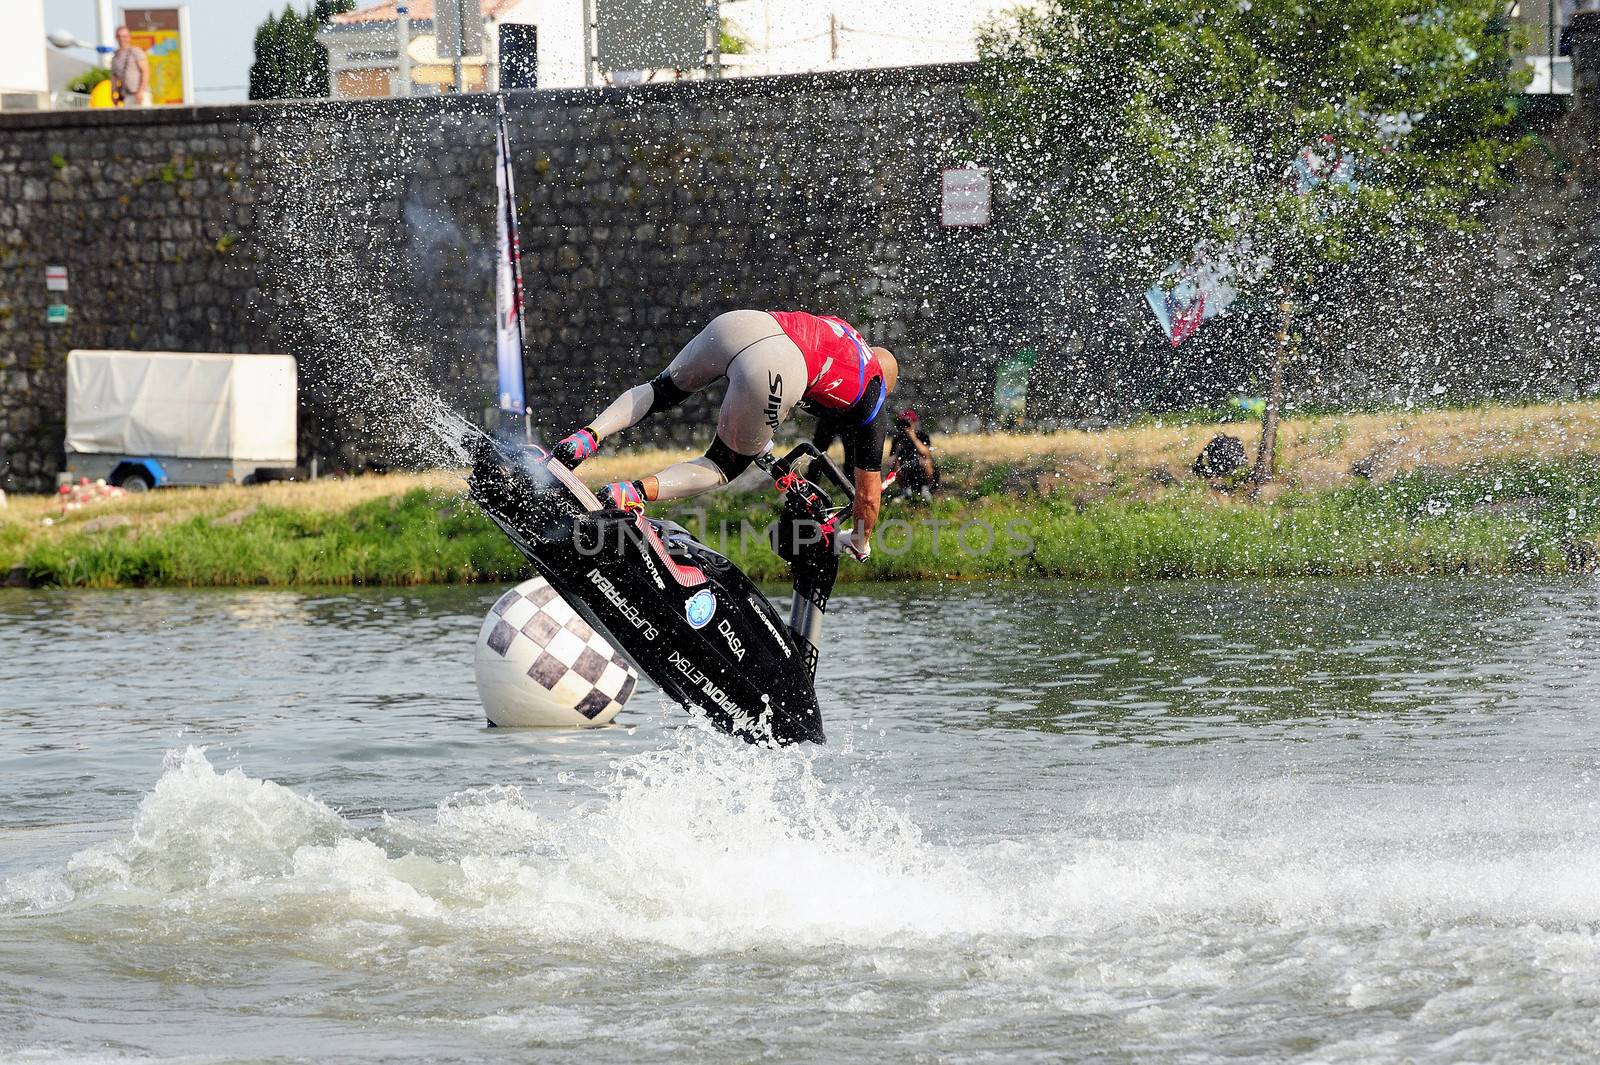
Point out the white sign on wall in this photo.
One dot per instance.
(55, 278)
(965, 197)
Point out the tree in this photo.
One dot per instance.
(265, 83)
(321, 15)
(1167, 129)
(289, 62)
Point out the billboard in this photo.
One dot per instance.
(23, 68)
(162, 33)
(519, 56)
(652, 34)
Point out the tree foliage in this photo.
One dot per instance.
(1160, 124)
(289, 63)
(731, 39)
(85, 82)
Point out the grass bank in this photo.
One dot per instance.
(1494, 490)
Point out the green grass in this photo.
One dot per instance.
(1521, 516)
(1517, 517)
(415, 538)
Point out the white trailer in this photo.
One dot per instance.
(148, 419)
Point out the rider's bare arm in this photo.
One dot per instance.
(869, 500)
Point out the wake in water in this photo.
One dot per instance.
(699, 846)
(706, 845)
(731, 887)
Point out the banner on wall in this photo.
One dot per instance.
(1187, 294)
(162, 33)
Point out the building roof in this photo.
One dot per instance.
(417, 9)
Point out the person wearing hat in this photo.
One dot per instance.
(912, 471)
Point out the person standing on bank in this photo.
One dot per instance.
(911, 462)
(130, 73)
(773, 361)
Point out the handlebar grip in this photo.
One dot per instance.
(829, 469)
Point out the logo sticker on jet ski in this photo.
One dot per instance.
(762, 614)
(650, 563)
(700, 608)
(629, 612)
(712, 692)
(735, 644)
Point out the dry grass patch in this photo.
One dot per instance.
(169, 505)
(1314, 452)
(631, 465)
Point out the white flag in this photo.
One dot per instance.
(508, 279)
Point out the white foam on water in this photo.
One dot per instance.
(709, 845)
(1183, 912)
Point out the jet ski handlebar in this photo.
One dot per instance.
(799, 488)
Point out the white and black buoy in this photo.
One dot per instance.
(540, 665)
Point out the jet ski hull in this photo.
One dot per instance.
(687, 617)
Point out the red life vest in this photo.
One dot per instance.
(839, 364)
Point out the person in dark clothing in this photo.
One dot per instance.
(914, 472)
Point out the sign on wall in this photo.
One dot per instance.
(55, 278)
(965, 197)
(162, 33)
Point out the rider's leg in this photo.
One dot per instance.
(765, 381)
(701, 362)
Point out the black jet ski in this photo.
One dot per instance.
(688, 618)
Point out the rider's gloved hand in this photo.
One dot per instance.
(573, 449)
(852, 543)
(622, 495)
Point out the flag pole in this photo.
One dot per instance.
(510, 303)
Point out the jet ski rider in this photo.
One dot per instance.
(774, 361)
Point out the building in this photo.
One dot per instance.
(24, 80)
(793, 36)
(776, 37)
(376, 52)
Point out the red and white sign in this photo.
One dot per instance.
(55, 278)
(965, 197)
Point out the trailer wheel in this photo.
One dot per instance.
(269, 474)
(136, 481)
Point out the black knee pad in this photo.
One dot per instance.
(729, 461)
(664, 394)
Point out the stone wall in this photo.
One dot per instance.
(358, 236)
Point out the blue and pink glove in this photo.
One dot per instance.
(622, 495)
(573, 449)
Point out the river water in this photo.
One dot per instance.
(1317, 822)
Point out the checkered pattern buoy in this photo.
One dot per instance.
(541, 665)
